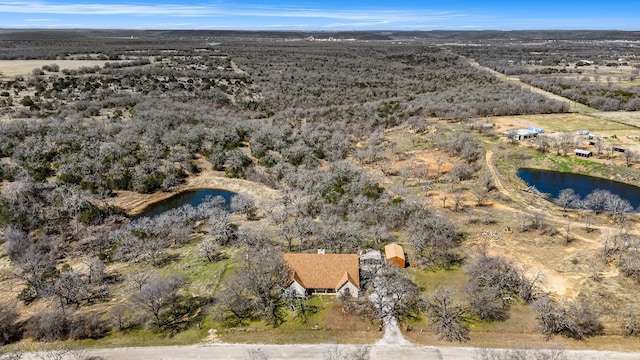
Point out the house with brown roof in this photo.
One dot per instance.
(394, 255)
(337, 274)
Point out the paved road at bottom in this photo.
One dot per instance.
(277, 352)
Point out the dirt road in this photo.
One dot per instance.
(573, 105)
(275, 352)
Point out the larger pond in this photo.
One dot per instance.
(191, 197)
(552, 182)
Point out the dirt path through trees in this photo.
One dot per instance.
(573, 105)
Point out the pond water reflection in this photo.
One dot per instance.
(191, 197)
(552, 182)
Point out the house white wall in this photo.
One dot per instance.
(353, 290)
(295, 289)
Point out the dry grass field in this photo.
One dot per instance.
(631, 118)
(12, 68)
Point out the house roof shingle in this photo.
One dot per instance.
(324, 271)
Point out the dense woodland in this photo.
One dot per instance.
(302, 117)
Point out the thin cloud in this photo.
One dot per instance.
(41, 20)
(177, 10)
(29, 7)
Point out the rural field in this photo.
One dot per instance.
(337, 147)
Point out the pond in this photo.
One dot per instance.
(552, 182)
(191, 197)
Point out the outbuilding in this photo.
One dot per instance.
(583, 153)
(394, 256)
(522, 134)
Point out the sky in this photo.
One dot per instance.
(327, 15)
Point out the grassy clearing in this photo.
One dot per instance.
(431, 280)
(202, 275)
(576, 165)
(330, 323)
(522, 320)
(629, 118)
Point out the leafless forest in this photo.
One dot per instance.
(305, 117)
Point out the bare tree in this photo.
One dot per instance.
(36, 261)
(544, 143)
(457, 201)
(630, 157)
(160, 294)
(443, 197)
(599, 144)
(567, 198)
(209, 250)
(245, 205)
(597, 200)
(565, 318)
(9, 329)
(446, 317)
(617, 207)
(494, 283)
(433, 237)
(481, 195)
(257, 289)
(49, 325)
(69, 288)
(566, 142)
(141, 277)
(485, 181)
(631, 324)
(567, 233)
(395, 296)
(96, 271)
(587, 219)
(119, 316)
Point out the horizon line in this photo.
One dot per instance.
(315, 30)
